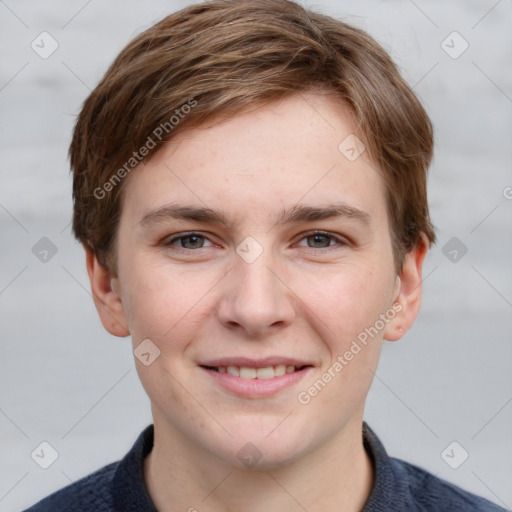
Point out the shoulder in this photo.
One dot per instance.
(93, 492)
(403, 487)
(117, 486)
(431, 493)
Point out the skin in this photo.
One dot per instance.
(303, 297)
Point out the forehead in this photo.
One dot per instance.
(301, 150)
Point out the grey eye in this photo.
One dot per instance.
(317, 239)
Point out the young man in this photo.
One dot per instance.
(250, 190)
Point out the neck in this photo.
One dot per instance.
(336, 476)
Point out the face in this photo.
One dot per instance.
(256, 248)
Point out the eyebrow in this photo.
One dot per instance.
(296, 214)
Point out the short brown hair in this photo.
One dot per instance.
(224, 57)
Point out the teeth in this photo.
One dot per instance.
(265, 373)
(247, 373)
(280, 370)
(268, 372)
(234, 370)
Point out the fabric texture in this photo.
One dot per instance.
(398, 486)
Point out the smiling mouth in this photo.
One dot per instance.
(268, 372)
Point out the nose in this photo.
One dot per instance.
(256, 299)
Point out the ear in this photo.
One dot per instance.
(106, 296)
(408, 292)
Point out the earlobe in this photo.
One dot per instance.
(408, 292)
(106, 296)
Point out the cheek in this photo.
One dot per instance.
(347, 300)
(162, 301)
(349, 306)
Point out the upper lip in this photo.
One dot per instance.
(254, 363)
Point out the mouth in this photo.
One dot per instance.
(250, 378)
(263, 373)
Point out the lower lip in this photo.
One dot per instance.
(256, 388)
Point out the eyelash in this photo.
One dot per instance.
(339, 240)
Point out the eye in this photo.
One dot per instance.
(314, 240)
(322, 240)
(189, 241)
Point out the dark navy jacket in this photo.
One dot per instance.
(398, 486)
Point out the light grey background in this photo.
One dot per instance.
(66, 381)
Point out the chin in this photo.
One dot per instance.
(264, 456)
(264, 447)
